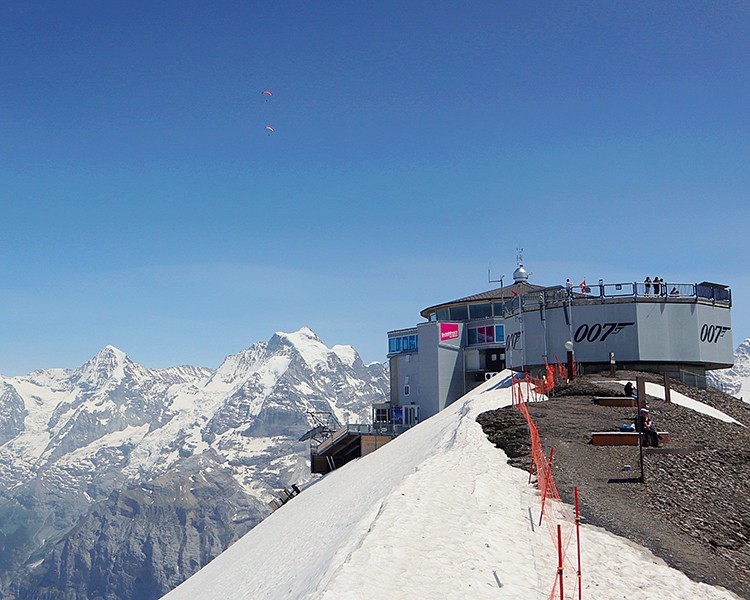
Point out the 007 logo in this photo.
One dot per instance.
(599, 331)
(713, 333)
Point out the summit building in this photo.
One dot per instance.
(674, 328)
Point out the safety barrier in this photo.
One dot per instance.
(560, 523)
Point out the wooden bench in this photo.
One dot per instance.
(615, 401)
(622, 438)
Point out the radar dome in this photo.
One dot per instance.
(520, 274)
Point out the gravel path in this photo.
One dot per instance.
(693, 510)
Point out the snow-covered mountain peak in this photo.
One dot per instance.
(237, 367)
(266, 362)
(309, 346)
(735, 380)
(744, 349)
(110, 363)
(347, 354)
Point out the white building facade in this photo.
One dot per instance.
(677, 327)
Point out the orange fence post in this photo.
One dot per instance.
(578, 544)
(560, 561)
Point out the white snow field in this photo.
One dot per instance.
(436, 513)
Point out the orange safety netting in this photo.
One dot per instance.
(552, 507)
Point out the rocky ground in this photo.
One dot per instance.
(693, 510)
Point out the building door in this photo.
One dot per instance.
(494, 360)
(411, 414)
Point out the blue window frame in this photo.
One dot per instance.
(404, 343)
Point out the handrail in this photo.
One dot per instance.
(377, 428)
(665, 292)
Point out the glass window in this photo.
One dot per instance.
(412, 342)
(391, 345)
(472, 336)
(407, 390)
(497, 309)
(500, 333)
(442, 314)
(459, 313)
(480, 311)
(382, 415)
(490, 333)
(432, 317)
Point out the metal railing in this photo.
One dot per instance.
(665, 292)
(688, 378)
(377, 428)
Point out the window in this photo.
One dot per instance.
(404, 343)
(486, 335)
(442, 314)
(480, 311)
(407, 390)
(382, 415)
(459, 313)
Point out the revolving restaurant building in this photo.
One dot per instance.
(678, 327)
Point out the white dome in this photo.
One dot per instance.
(520, 274)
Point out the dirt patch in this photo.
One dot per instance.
(693, 510)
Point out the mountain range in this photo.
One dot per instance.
(120, 481)
(735, 380)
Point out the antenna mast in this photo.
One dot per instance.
(490, 280)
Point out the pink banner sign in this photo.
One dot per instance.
(448, 331)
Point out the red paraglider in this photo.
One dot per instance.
(270, 129)
(267, 92)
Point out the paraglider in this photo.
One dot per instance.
(270, 129)
(267, 92)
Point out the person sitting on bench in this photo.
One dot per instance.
(630, 390)
(645, 426)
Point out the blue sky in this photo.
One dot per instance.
(144, 204)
